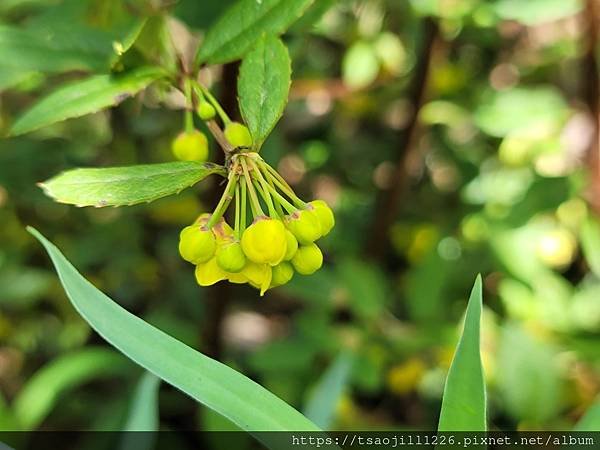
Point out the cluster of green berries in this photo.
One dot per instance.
(274, 232)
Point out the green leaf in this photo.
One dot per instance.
(590, 420)
(590, 244)
(143, 413)
(120, 186)
(228, 392)
(521, 109)
(44, 389)
(321, 405)
(531, 384)
(243, 23)
(85, 97)
(29, 50)
(360, 65)
(263, 86)
(142, 416)
(534, 12)
(464, 402)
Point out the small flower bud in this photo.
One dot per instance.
(230, 257)
(282, 273)
(325, 214)
(308, 259)
(291, 245)
(206, 111)
(304, 225)
(191, 146)
(197, 244)
(209, 273)
(264, 241)
(238, 135)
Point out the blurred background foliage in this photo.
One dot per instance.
(450, 136)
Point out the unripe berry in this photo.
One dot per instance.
(325, 215)
(291, 245)
(209, 273)
(238, 135)
(230, 257)
(191, 146)
(197, 244)
(282, 273)
(308, 259)
(264, 241)
(206, 111)
(304, 225)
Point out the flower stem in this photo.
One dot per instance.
(189, 106)
(254, 203)
(213, 101)
(243, 207)
(281, 184)
(278, 207)
(228, 194)
(258, 176)
(236, 229)
(287, 205)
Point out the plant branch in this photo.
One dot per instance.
(389, 199)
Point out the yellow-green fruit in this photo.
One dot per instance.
(264, 241)
(291, 245)
(230, 257)
(325, 215)
(209, 272)
(308, 259)
(238, 135)
(304, 225)
(197, 244)
(206, 111)
(557, 248)
(191, 146)
(282, 273)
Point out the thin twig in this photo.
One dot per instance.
(592, 93)
(388, 201)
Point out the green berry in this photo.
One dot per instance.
(238, 135)
(230, 257)
(292, 245)
(308, 259)
(197, 244)
(304, 225)
(206, 111)
(325, 215)
(282, 273)
(191, 146)
(264, 242)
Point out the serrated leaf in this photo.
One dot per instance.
(85, 97)
(263, 86)
(226, 391)
(243, 23)
(464, 401)
(128, 185)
